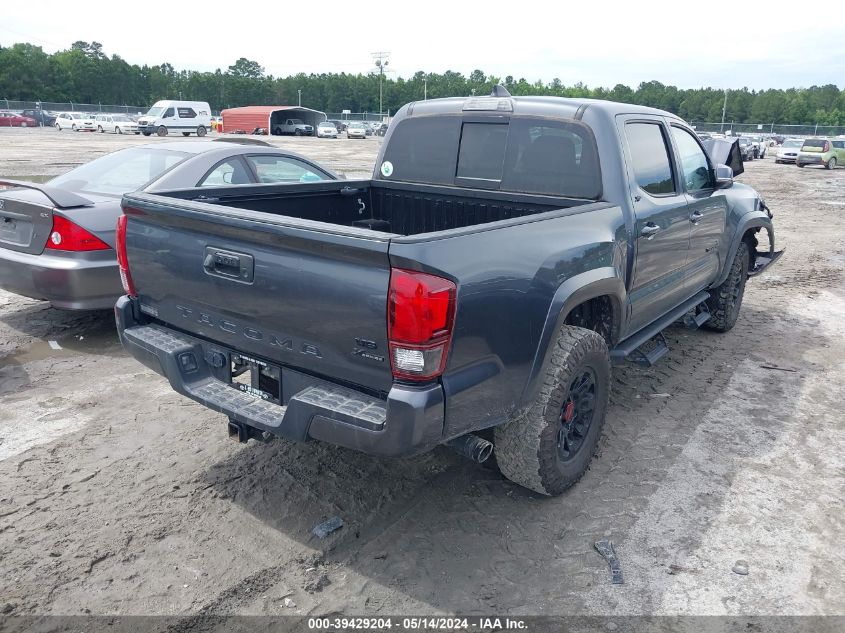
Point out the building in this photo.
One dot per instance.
(249, 118)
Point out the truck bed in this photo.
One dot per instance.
(398, 209)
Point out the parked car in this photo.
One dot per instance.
(746, 148)
(76, 121)
(187, 117)
(42, 117)
(788, 151)
(116, 123)
(293, 126)
(57, 239)
(340, 125)
(758, 145)
(504, 251)
(10, 119)
(326, 130)
(819, 151)
(382, 129)
(356, 130)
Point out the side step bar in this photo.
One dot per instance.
(763, 260)
(630, 346)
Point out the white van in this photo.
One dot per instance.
(188, 117)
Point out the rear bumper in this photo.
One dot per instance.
(407, 422)
(810, 160)
(67, 281)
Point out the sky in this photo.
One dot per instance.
(723, 44)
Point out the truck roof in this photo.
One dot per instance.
(557, 106)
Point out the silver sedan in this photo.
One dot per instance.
(57, 240)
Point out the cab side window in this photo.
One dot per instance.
(696, 168)
(650, 156)
(231, 171)
(271, 168)
(168, 113)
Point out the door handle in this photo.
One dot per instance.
(695, 216)
(649, 230)
(221, 263)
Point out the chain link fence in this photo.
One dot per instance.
(356, 116)
(770, 128)
(52, 106)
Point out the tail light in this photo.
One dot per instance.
(826, 147)
(122, 259)
(67, 236)
(420, 316)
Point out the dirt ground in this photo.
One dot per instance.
(118, 496)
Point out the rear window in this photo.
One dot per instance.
(482, 151)
(121, 172)
(814, 142)
(523, 154)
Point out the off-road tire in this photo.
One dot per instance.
(527, 447)
(726, 300)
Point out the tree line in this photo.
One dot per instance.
(85, 74)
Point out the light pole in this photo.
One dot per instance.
(299, 93)
(425, 88)
(381, 61)
(724, 107)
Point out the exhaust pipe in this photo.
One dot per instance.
(472, 447)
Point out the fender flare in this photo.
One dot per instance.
(749, 221)
(571, 293)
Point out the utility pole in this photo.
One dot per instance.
(299, 94)
(724, 107)
(425, 89)
(381, 60)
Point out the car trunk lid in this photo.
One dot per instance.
(26, 219)
(26, 213)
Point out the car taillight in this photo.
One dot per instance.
(826, 147)
(122, 259)
(67, 236)
(420, 316)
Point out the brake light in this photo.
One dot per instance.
(826, 147)
(67, 236)
(122, 259)
(420, 316)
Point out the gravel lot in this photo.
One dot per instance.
(117, 496)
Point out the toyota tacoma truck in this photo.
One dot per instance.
(474, 292)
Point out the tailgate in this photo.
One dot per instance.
(302, 294)
(26, 219)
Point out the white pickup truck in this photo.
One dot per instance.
(293, 126)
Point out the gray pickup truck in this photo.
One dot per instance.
(473, 293)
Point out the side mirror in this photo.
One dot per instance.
(724, 176)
